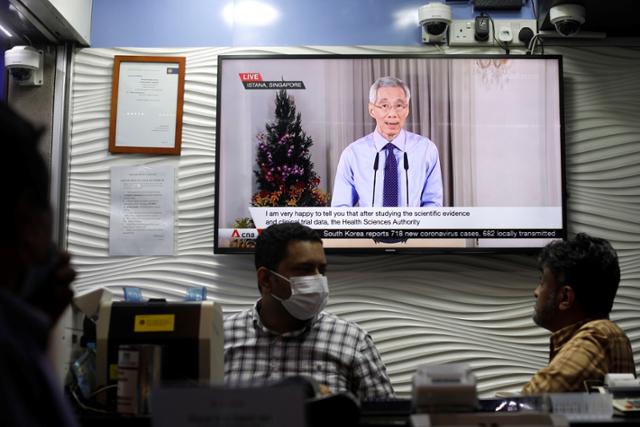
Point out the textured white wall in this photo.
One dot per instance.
(419, 309)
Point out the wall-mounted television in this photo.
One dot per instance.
(448, 153)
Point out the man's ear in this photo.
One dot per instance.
(567, 297)
(263, 275)
(370, 109)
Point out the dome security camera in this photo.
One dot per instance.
(434, 19)
(24, 63)
(567, 18)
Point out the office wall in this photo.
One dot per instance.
(419, 309)
(202, 23)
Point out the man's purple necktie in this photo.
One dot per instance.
(390, 185)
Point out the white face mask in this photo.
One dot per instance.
(309, 295)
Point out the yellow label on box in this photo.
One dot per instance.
(154, 323)
(113, 371)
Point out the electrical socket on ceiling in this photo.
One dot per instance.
(509, 31)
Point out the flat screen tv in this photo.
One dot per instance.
(475, 160)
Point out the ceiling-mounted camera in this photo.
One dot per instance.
(434, 19)
(24, 63)
(567, 18)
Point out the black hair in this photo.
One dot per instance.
(590, 266)
(271, 244)
(23, 170)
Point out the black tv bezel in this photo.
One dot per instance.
(426, 250)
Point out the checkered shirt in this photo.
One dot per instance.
(583, 351)
(336, 353)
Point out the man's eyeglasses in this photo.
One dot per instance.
(398, 108)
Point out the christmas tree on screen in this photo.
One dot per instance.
(284, 173)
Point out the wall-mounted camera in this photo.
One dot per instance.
(24, 63)
(434, 19)
(567, 18)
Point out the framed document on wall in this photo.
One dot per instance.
(146, 104)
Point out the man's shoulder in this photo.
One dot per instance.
(238, 326)
(329, 320)
(603, 327)
(239, 317)
(603, 331)
(361, 142)
(327, 317)
(21, 322)
(415, 138)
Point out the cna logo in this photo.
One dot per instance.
(245, 233)
(250, 77)
(243, 238)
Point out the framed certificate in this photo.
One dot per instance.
(146, 104)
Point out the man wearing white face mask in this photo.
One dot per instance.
(288, 334)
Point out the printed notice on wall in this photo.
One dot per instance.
(142, 210)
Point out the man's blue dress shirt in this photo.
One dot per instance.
(353, 185)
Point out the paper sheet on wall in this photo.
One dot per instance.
(142, 210)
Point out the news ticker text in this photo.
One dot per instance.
(440, 234)
(484, 233)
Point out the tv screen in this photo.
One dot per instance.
(391, 153)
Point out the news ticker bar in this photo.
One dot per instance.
(248, 233)
(441, 234)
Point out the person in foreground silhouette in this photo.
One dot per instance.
(34, 284)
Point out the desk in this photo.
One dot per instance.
(396, 413)
(392, 413)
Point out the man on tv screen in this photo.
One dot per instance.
(573, 299)
(390, 166)
(287, 333)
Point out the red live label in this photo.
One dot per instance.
(251, 77)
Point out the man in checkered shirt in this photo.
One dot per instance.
(573, 299)
(287, 333)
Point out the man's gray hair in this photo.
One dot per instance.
(387, 81)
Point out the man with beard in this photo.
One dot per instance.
(579, 282)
